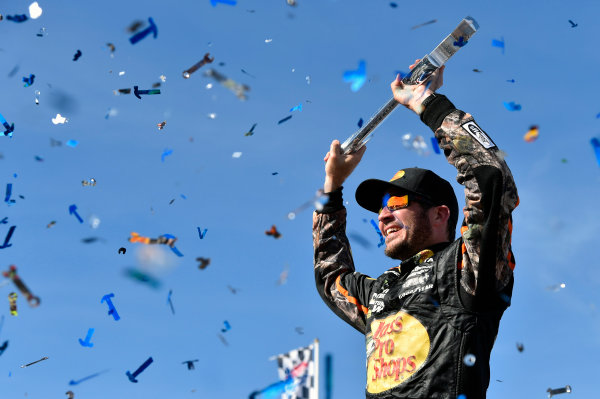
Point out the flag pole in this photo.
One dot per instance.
(317, 367)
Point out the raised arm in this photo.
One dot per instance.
(487, 261)
(345, 291)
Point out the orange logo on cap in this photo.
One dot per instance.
(399, 174)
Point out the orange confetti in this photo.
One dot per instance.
(532, 134)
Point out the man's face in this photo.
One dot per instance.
(406, 231)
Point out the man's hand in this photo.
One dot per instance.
(339, 166)
(411, 96)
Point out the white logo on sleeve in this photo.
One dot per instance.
(474, 130)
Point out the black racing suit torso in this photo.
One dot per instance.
(430, 323)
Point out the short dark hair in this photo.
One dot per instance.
(450, 225)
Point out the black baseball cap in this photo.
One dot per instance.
(421, 182)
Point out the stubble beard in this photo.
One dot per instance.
(417, 234)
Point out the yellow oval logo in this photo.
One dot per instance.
(398, 175)
(396, 348)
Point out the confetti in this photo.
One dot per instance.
(77, 55)
(202, 234)
(416, 143)
(35, 11)
(498, 43)
(52, 223)
(17, 18)
(236, 154)
(72, 143)
(252, 76)
(297, 108)
(139, 370)
(112, 311)
(204, 262)
(229, 2)
(268, 40)
(9, 194)
(573, 24)
(142, 277)
(73, 211)
(357, 77)
(424, 23)
(233, 290)
(596, 146)
(511, 81)
(28, 80)
(42, 33)
(9, 128)
(520, 347)
(551, 392)
(37, 97)
(469, 360)
(91, 182)
(307, 77)
(206, 60)
(59, 119)
(70, 394)
(73, 382)
(291, 3)
(251, 131)
(360, 122)
(86, 342)
(512, 106)
(283, 276)
(135, 26)
(317, 201)
(4, 346)
(170, 302)
(190, 364)
(299, 330)
(165, 154)
(556, 288)
(37, 361)
(212, 115)
(137, 92)
(435, 146)
(12, 299)
(142, 34)
(393, 5)
(4, 221)
(381, 239)
(238, 89)
(227, 327)
(287, 118)
(273, 232)
(11, 230)
(223, 340)
(477, 70)
(121, 91)
(112, 49)
(122, 250)
(161, 125)
(32, 300)
(532, 134)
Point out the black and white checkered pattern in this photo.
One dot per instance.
(304, 383)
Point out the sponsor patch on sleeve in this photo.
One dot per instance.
(478, 134)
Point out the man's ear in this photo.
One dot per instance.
(440, 215)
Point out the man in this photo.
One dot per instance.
(430, 323)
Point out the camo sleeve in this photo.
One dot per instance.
(487, 261)
(344, 290)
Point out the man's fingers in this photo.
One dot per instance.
(326, 157)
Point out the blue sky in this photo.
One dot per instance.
(556, 226)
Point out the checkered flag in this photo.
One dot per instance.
(302, 366)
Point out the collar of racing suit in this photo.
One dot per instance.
(420, 257)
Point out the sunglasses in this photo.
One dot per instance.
(394, 203)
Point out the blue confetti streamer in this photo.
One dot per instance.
(28, 80)
(17, 18)
(72, 143)
(165, 153)
(360, 122)
(436, 147)
(381, 239)
(142, 34)
(297, 108)
(228, 2)
(498, 43)
(357, 77)
(596, 146)
(512, 106)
